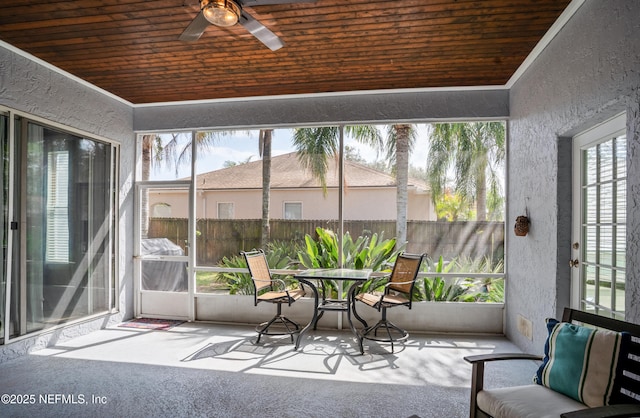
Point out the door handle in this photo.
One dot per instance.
(574, 263)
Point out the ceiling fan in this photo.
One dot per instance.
(225, 13)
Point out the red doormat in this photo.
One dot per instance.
(151, 323)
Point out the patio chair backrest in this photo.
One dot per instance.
(258, 269)
(405, 271)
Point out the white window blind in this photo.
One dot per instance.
(57, 248)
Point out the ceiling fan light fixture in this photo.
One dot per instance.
(221, 12)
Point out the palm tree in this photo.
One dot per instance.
(474, 151)
(155, 151)
(400, 141)
(176, 156)
(149, 142)
(264, 146)
(316, 145)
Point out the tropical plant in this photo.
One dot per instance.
(363, 253)
(374, 253)
(475, 151)
(486, 290)
(439, 289)
(464, 289)
(452, 207)
(495, 291)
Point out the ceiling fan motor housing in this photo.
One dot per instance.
(221, 12)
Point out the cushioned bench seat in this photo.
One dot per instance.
(529, 401)
(590, 368)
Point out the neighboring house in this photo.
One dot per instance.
(236, 193)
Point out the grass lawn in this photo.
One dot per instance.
(206, 283)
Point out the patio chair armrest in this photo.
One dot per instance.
(305, 287)
(478, 361)
(609, 411)
(483, 358)
(394, 283)
(377, 278)
(281, 283)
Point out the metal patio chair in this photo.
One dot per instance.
(267, 289)
(398, 291)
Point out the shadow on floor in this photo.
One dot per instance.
(206, 370)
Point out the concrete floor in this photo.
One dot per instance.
(206, 370)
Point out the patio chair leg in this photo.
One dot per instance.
(371, 333)
(315, 324)
(290, 326)
(264, 327)
(286, 321)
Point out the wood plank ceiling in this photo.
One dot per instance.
(131, 47)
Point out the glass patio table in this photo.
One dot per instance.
(312, 276)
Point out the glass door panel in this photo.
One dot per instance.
(68, 225)
(163, 250)
(4, 223)
(600, 219)
(57, 228)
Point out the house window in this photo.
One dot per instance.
(161, 210)
(225, 210)
(292, 210)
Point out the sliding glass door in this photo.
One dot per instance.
(4, 224)
(58, 225)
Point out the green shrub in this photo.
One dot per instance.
(374, 253)
(363, 253)
(377, 254)
(279, 255)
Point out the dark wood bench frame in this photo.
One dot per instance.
(569, 315)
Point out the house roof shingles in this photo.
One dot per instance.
(288, 173)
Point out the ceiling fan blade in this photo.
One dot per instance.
(261, 32)
(266, 2)
(195, 29)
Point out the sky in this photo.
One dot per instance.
(241, 146)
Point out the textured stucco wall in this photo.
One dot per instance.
(29, 87)
(287, 111)
(588, 73)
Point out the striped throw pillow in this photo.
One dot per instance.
(581, 362)
(626, 388)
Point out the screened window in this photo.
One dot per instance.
(374, 182)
